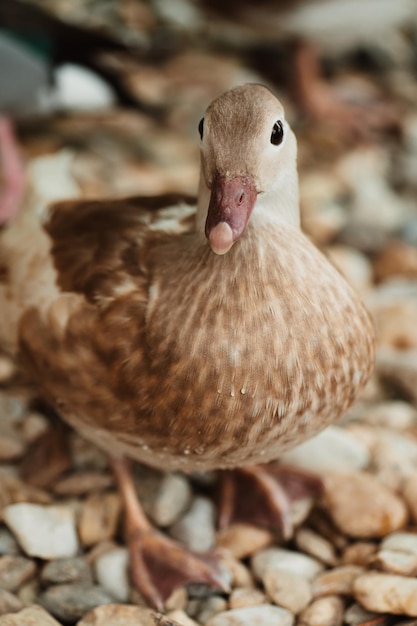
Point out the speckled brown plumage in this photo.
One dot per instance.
(159, 349)
(187, 339)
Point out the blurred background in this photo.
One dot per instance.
(102, 98)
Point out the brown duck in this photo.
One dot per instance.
(188, 340)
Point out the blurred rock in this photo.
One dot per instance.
(362, 507)
(336, 582)
(112, 573)
(397, 259)
(354, 266)
(398, 368)
(196, 529)
(9, 603)
(288, 590)
(30, 616)
(67, 571)
(315, 545)
(259, 615)
(246, 596)
(278, 559)
(385, 593)
(70, 602)
(331, 450)
(243, 540)
(99, 517)
(14, 571)
(323, 612)
(120, 615)
(55, 535)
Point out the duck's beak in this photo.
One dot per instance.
(231, 204)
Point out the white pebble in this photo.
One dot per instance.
(111, 570)
(386, 593)
(197, 528)
(264, 615)
(289, 590)
(277, 559)
(334, 449)
(47, 532)
(172, 498)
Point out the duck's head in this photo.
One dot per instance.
(248, 166)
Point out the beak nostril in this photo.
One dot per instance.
(241, 197)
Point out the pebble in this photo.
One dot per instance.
(172, 498)
(356, 615)
(31, 616)
(69, 602)
(359, 553)
(279, 559)
(241, 576)
(7, 369)
(386, 593)
(337, 581)
(164, 497)
(71, 570)
(394, 457)
(323, 216)
(398, 368)
(362, 507)
(12, 444)
(396, 562)
(177, 600)
(256, 615)
(29, 592)
(55, 535)
(332, 450)
(14, 571)
(395, 415)
(85, 455)
(99, 518)
(12, 408)
(398, 554)
(315, 545)
(243, 540)
(409, 493)
(111, 570)
(401, 541)
(374, 202)
(13, 490)
(246, 596)
(288, 590)
(396, 259)
(120, 615)
(34, 425)
(83, 482)
(326, 611)
(9, 603)
(181, 618)
(210, 607)
(196, 529)
(354, 266)
(8, 544)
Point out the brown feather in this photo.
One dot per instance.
(156, 348)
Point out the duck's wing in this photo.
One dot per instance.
(74, 294)
(99, 248)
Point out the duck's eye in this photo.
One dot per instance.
(201, 127)
(277, 134)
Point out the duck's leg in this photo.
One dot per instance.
(322, 103)
(262, 495)
(12, 172)
(158, 564)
